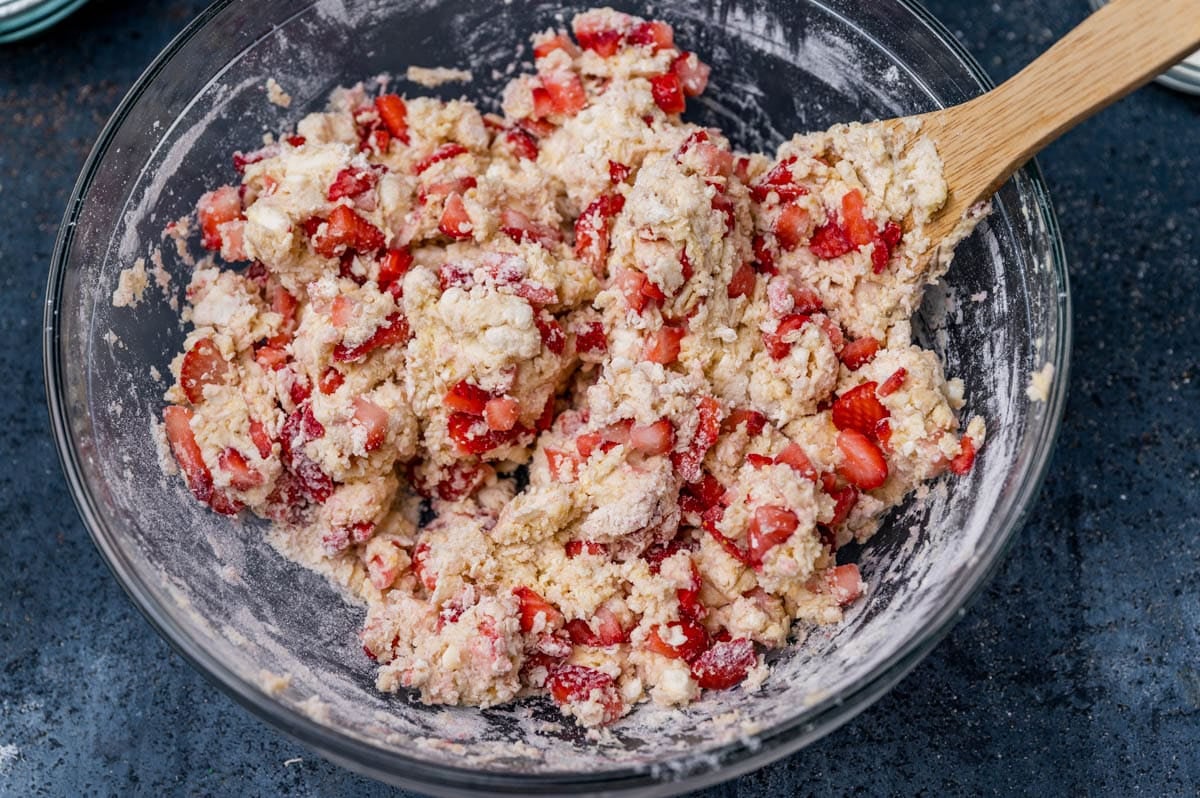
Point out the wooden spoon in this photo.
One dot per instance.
(1114, 51)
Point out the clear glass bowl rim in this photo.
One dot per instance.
(409, 772)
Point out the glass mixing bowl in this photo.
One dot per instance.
(245, 616)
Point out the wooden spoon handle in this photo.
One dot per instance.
(1114, 51)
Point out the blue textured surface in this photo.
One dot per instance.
(1078, 670)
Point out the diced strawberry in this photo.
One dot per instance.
(425, 575)
(758, 461)
(575, 548)
(241, 475)
(695, 640)
(520, 228)
(566, 92)
(342, 311)
(394, 114)
(859, 352)
(543, 105)
(690, 606)
(376, 140)
(708, 429)
(562, 467)
(604, 439)
(394, 264)
(372, 418)
(692, 73)
(829, 240)
(330, 381)
(879, 255)
(224, 504)
(663, 346)
(283, 303)
(262, 441)
(775, 342)
(724, 205)
(445, 152)
(299, 389)
(845, 583)
(557, 42)
(501, 413)
(743, 281)
(521, 144)
(793, 455)
(455, 221)
(295, 141)
(466, 397)
(591, 35)
(553, 337)
(461, 480)
(725, 664)
(590, 338)
(346, 231)
(791, 226)
(859, 229)
(844, 499)
(473, 436)
(298, 429)
(764, 257)
(755, 421)
(576, 684)
(215, 209)
(654, 34)
(859, 409)
(178, 423)
(533, 606)
(668, 93)
(863, 465)
(393, 331)
(769, 527)
(701, 495)
(444, 188)
(652, 439)
(962, 462)
(617, 172)
(546, 420)
(350, 182)
(202, 365)
(893, 382)
(243, 159)
(270, 357)
(779, 180)
(632, 283)
(591, 230)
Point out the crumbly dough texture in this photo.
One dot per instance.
(643, 385)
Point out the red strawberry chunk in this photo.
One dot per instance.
(863, 464)
(394, 115)
(692, 73)
(241, 475)
(591, 35)
(791, 226)
(859, 229)
(202, 365)
(699, 496)
(473, 436)
(859, 352)
(444, 188)
(893, 383)
(466, 397)
(562, 469)
(262, 441)
(455, 221)
(859, 409)
(521, 144)
(668, 93)
(617, 172)
(567, 95)
(576, 684)
(591, 230)
(536, 612)
(346, 231)
(708, 429)
(177, 421)
(779, 180)
(743, 281)
(445, 152)
(271, 358)
(372, 418)
(725, 664)
(590, 338)
(755, 421)
(215, 209)
(557, 42)
(829, 240)
(501, 413)
(891, 235)
(764, 258)
(553, 337)
(575, 548)
(652, 439)
(844, 500)
(350, 182)
(330, 381)
(770, 526)
(654, 34)
(965, 459)
(793, 455)
(300, 428)
(759, 460)
(777, 344)
(845, 583)
(664, 345)
(394, 264)
(604, 439)
(461, 480)
(393, 331)
(695, 640)
(520, 228)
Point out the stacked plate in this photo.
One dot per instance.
(21, 18)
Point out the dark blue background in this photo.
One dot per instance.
(1077, 670)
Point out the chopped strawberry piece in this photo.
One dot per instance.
(224, 504)
(394, 264)
(567, 95)
(779, 180)
(721, 203)
(178, 423)
(725, 664)
(461, 480)
(632, 284)
(859, 409)
(501, 413)
(444, 188)
(394, 114)
(769, 527)
(617, 172)
(829, 240)
(655, 35)
(215, 209)
(350, 182)
(546, 420)
(299, 390)
(763, 256)
(793, 455)
(562, 468)
(859, 229)
(962, 462)
(202, 365)
(791, 226)
(653, 439)
(262, 441)
(755, 421)
(575, 548)
(576, 684)
(664, 345)
(845, 583)
(605, 42)
(425, 575)
(330, 381)
(346, 231)
(695, 640)
(844, 500)
(342, 311)
(455, 221)
(893, 383)
(445, 152)
(692, 73)
(271, 358)
(590, 338)
(241, 475)
(372, 418)
(859, 352)
(298, 429)
(708, 429)
(668, 93)
(393, 331)
(521, 144)
(533, 606)
(758, 461)
(283, 303)
(891, 235)
(879, 255)
(295, 141)
(863, 465)
(591, 230)
(557, 42)
(243, 159)
(377, 140)
(775, 342)
(543, 105)
(473, 436)
(466, 397)
(553, 337)
(701, 495)
(743, 281)
(604, 439)
(520, 228)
